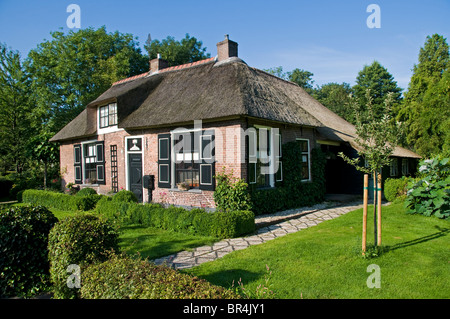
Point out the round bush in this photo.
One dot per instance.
(24, 267)
(395, 188)
(78, 240)
(86, 192)
(125, 196)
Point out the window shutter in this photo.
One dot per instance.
(207, 160)
(278, 158)
(100, 161)
(77, 164)
(164, 161)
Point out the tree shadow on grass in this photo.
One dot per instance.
(231, 277)
(442, 232)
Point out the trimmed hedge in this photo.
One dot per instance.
(81, 239)
(196, 221)
(60, 201)
(23, 246)
(123, 277)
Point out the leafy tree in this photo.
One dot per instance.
(302, 77)
(73, 69)
(380, 82)
(15, 107)
(188, 50)
(336, 97)
(426, 107)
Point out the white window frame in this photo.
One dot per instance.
(308, 153)
(393, 167)
(405, 166)
(110, 128)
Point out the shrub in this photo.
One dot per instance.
(123, 277)
(395, 188)
(231, 193)
(125, 196)
(86, 192)
(81, 240)
(430, 194)
(23, 246)
(59, 200)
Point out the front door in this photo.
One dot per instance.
(135, 174)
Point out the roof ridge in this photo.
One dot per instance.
(172, 68)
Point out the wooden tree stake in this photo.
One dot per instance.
(379, 210)
(365, 199)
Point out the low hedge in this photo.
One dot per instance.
(60, 201)
(196, 221)
(123, 277)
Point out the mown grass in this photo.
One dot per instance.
(325, 261)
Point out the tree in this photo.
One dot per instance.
(73, 69)
(376, 138)
(15, 107)
(188, 50)
(380, 82)
(336, 97)
(302, 77)
(425, 111)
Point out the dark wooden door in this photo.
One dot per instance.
(135, 174)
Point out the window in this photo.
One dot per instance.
(89, 163)
(192, 161)
(261, 157)
(305, 160)
(108, 115)
(405, 167)
(394, 167)
(187, 166)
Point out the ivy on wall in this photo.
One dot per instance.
(292, 192)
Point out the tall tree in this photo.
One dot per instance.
(15, 108)
(188, 50)
(380, 82)
(426, 107)
(73, 69)
(337, 98)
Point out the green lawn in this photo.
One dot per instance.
(325, 261)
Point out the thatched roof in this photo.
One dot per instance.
(211, 90)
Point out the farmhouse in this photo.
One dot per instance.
(166, 133)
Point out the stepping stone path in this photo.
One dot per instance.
(268, 227)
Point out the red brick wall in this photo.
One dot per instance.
(228, 133)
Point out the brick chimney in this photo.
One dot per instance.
(158, 64)
(226, 49)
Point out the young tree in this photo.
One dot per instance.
(188, 50)
(380, 82)
(376, 138)
(425, 110)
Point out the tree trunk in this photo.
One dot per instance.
(45, 175)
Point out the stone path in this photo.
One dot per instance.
(268, 227)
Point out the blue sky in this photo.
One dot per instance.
(328, 38)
